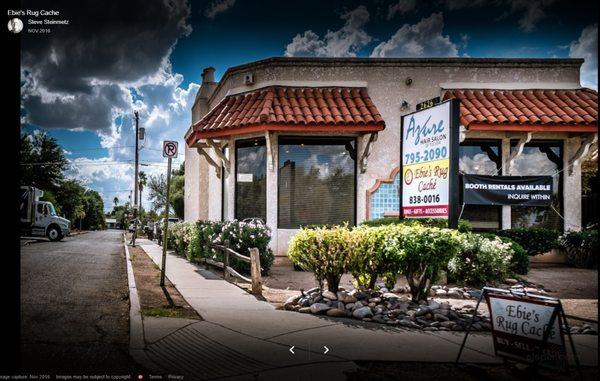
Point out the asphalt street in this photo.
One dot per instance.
(74, 305)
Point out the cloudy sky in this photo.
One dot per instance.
(82, 82)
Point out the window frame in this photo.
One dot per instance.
(244, 143)
(315, 139)
(560, 192)
(477, 143)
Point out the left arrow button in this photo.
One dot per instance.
(292, 349)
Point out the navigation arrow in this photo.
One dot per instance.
(292, 349)
(326, 349)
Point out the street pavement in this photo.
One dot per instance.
(242, 337)
(74, 305)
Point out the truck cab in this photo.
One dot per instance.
(39, 218)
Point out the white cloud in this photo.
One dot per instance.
(402, 7)
(532, 12)
(217, 7)
(423, 39)
(586, 47)
(344, 42)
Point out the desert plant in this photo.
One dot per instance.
(581, 247)
(519, 262)
(324, 252)
(480, 260)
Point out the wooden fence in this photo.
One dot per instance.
(254, 260)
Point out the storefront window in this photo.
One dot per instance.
(251, 179)
(317, 181)
(478, 157)
(539, 158)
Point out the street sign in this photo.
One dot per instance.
(170, 148)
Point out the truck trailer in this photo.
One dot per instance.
(39, 218)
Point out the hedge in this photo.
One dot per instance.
(463, 225)
(535, 241)
(581, 247)
(194, 240)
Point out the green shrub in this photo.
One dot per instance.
(324, 252)
(534, 240)
(370, 258)
(240, 236)
(421, 253)
(581, 247)
(519, 262)
(480, 261)
(181, 234)
(463, 225)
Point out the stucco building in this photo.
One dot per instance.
(298, 141)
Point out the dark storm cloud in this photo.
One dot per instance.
(106, 43)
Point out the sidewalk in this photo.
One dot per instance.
(242, 336)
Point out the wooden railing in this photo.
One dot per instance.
(254, 260)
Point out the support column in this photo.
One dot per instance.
(505, 223)
(571, 195)
(272, 196)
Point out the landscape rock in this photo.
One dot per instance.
(319, 308)
(329, 295)
(363, 312)
(335, 312)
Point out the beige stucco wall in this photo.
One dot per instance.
(387, 88)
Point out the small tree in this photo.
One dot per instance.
(324, 252)
(421, 253)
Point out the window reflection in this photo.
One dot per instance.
(480, 158)
(316, 181)
(537, 159)
(251, 180)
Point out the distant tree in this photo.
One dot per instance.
(42, 161)
(69, 197)
(158, 191)
(94, 211)
(116, 201)
(80, 213)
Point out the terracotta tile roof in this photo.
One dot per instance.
(296, 107)
(500, 108)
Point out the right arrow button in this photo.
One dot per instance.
(326, 349)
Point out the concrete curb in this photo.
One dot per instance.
(137, 343)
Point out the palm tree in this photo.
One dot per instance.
(143, 179)
(80, 212)
(116, 201)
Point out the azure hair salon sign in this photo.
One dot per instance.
(429, 162)
(507, 190)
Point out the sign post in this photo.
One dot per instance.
(170, 149)
(429, 163)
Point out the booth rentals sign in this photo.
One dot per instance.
(427, 143)
(507, 190)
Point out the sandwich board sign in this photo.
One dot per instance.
(429, 163)
(527, 328)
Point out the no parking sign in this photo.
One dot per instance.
(170, 148)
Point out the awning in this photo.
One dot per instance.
(528, 110)
(292, 109)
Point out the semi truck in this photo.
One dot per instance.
(39, 218)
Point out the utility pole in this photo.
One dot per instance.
(135, 192)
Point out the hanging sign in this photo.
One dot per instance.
(429, 162)
(527, 329)
(507, 190)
